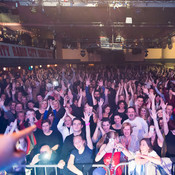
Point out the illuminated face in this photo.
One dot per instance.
(68, 122)
(77, 126)
(160, 113)
(131, 114)
(46, 128)
(106, 126)
(78, 142)
(127, 131)
(144, 147)
(117, 119)
(31, 116)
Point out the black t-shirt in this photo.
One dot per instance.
(68, 146)
(85, 158)
(170, 141)
(53, 139)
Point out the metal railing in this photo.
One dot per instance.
(34, 167)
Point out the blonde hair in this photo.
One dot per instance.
(126, 124)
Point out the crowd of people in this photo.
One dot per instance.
(102, 114)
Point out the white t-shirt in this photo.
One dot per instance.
(140, 127)
(146, 169)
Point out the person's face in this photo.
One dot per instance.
(68, 122)
(131, 114)
(77, 126)
(151, 91)
(117, 119)
(121, 97)
(121, 105)
(21, 117)
(19, 107)
(144, 147)
(44, 105)
(143, 112)
(24, 100)
(13, 106)
(3, 97)
(30, 105)
(55, 104)
(39, 98)
(51, 117)
(127, 131)
(160, 113)
(169, 110)
(140, 102)
(107, 110)
(78, 143)
(106, 126)
(46, 128)
(97, 94)
(161, 123)
(19, 94)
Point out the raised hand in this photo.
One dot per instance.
(9, 153)
(100, 103)
(153, 115)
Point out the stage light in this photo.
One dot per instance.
(4, 68)
(19, 67)
(48, 65)
(40, 66)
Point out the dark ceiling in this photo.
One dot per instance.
(148, 24)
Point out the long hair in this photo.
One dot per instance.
(148, 142)
(105, 138)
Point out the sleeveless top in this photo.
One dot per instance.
(115, 161)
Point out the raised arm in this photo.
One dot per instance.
(165, 123)
(88, 132)
(158, 132)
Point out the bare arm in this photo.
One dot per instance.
(72, 167)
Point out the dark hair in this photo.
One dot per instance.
(131, 107)
(105, 138)
(77, 119)
(106, 107)
(140, 96)
(171, 125)
(45, 121)
(148, 142)
(105, 120)
(122, 101)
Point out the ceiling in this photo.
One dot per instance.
(149, 24)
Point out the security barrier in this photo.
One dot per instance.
(34, 167)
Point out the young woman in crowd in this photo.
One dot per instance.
(109, 153)
(117, 124)
(144, 159)
(83, 154)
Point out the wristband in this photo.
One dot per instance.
(87, 124)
